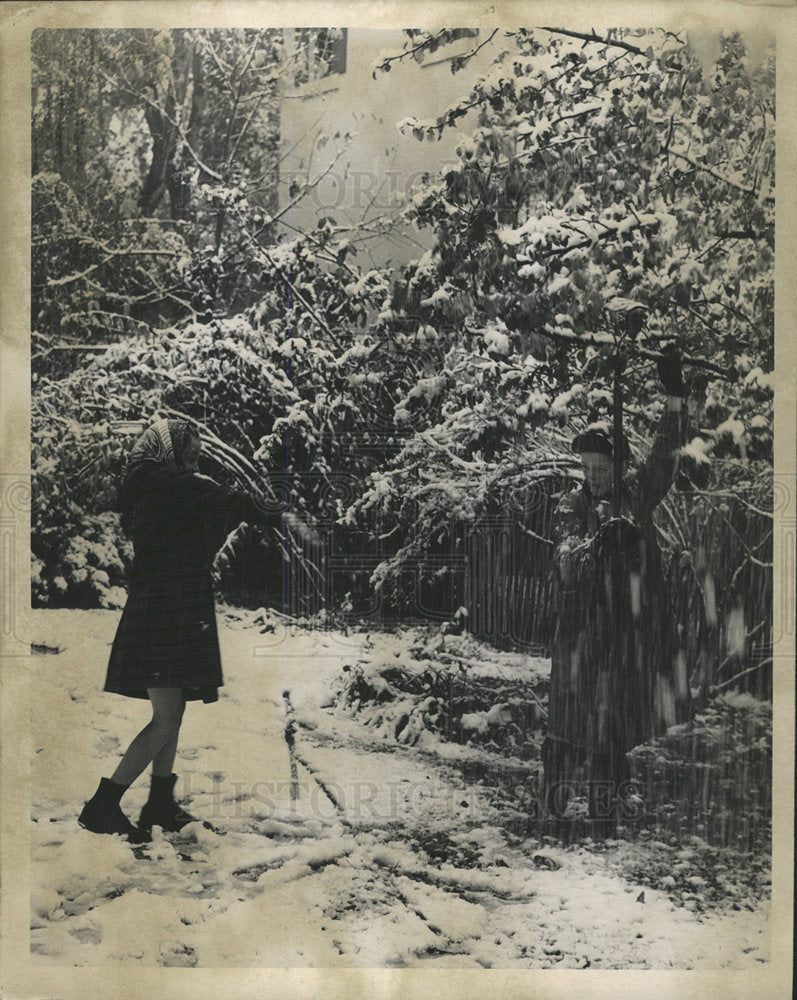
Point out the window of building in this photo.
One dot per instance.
(464, 33)
(317, 54)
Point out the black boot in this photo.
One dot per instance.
(161, 809)
(103, 814)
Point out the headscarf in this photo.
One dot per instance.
(163, 443)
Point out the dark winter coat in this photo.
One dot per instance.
(617, 675)
(167, 636)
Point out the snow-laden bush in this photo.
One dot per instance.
(476, 433)
(90, 569)
(289, 417)
(713, 776)
(447, 688)
(204, 373)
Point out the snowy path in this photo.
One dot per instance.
(370, 855)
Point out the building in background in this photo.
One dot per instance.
(340, 135)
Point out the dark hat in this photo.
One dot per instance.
(598, 438)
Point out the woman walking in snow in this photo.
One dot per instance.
(166, 647)
(616, 675)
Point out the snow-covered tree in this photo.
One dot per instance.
(143, 142)
(612, 194)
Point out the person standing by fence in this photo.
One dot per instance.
(617, 676)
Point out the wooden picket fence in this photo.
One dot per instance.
(717, 565)
(718, 569)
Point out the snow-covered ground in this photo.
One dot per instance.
(371, 854)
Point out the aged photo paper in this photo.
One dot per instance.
(412, 909)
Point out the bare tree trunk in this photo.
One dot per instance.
(164, 114)
(163, 146)
(187, 76)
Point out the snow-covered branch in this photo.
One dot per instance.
(599, 39)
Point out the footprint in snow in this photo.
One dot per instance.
(106, 745)
(545, 861)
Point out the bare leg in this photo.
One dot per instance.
(163, 761)
(161, 731)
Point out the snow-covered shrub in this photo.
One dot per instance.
(712, 777)
(90, 570)
(479, 437)
(286, 416)
(79, 553)
(206, 373)
(452, 689)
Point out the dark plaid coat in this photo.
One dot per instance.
(167, 636)
(617, 676)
